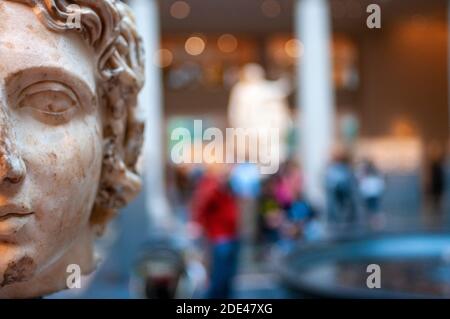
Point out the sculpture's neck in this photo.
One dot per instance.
(54, 278)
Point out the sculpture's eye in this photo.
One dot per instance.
(49, 100)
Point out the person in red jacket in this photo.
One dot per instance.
(215, 209)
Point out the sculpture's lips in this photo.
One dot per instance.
(13, 218)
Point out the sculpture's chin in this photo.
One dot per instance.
(18, 271)
(21, 280)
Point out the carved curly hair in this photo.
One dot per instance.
(109, 28)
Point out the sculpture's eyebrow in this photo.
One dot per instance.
(39, 74)
(20, 80)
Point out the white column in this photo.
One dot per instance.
(147, 19)
(315, 94)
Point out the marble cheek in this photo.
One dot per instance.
(63, 166)
(61, 191)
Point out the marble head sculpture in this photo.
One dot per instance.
(70, 135)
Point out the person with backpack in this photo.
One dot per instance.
(215, 210)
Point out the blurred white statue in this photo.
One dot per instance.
(256, 103)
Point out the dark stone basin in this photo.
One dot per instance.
(412, 266)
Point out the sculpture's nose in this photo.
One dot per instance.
(12, 167)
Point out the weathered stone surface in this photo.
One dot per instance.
(69, 135)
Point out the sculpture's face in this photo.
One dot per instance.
(50, 152)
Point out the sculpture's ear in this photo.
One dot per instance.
(119, 182)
